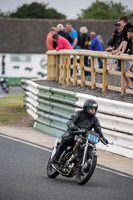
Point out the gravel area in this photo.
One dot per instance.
(112, 80)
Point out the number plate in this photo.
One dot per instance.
(92, 138)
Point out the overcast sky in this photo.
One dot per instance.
(68, 7)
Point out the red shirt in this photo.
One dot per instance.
(62, 43)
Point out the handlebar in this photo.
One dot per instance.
(111, 143)
(80, 132)
(102, 141)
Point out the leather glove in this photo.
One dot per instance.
(104, 140)
(73, 128)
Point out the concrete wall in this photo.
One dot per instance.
(29, 35)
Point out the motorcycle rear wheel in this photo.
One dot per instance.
(83, 176)
(51, 172)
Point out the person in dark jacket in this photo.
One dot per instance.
(116, 39)
(85, 38)
(128, 67)
(112, 39)
(84, 44)
(124, 45)
(130, 38)
(85, 119)
(63, 33)
(60, 30)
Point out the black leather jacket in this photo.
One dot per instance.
(82, 119)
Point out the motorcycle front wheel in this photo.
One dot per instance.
(84, 173)
(51, 172)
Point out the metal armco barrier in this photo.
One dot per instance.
(51, 108)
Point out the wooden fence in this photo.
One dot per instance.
(59, 69)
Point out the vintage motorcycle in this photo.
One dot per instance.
(79, 159)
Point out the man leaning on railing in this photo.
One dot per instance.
(129, 64)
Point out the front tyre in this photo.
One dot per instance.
(51, 172)
(84, 173)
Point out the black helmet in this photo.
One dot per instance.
(90, 103)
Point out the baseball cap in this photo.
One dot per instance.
(117, 24)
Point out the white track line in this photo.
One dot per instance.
(28, 143)
(45, 149)
(115, 172)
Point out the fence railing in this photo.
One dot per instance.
(59, 69)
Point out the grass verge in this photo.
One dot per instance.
(12, 109)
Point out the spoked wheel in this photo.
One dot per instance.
(51, 172)
(84, 173)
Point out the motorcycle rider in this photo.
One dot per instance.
(85, 119)
(4, 85)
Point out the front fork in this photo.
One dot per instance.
(85, 153)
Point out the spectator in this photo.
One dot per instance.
(113, 38)
(60, 30)
(128, 67)
(116, 40)
(62, 43)
(101, 40)
(95, 43)
(85, 39)
(96, 46)
(49, 40)
(130, 37)
(131, 70)
(124, 45)
(129, 64)
(74, 36)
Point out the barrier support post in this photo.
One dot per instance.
(122, 78)
(92, 74)
(104, 88)
(53, 67)
(64, 70)
(48, 68)
(60, 68)
(68, 69)
(57, 68)
(82, 71)
(74, 70)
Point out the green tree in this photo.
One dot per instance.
(4, 15)
(1, 14)
(38, 11)
(104, 10)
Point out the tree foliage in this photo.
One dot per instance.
(38, 11)
(1, 14)
(105, 10)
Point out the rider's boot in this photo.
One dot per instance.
(56, 156)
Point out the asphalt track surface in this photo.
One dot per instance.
(12, 91)
(23, 177)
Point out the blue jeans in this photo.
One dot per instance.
(100, 62)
